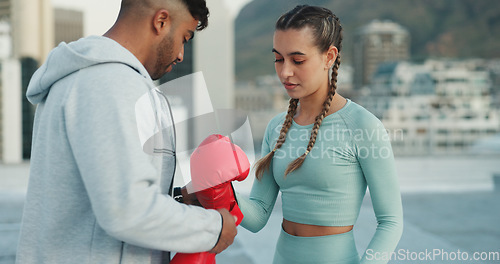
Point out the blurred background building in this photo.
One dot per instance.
(28, 31)
(377, 42)
(438, 107)
(10, 92)
(68, 25)
(32, 22)
(10, 111)
(262, 99)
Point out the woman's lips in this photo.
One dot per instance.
(289, 86)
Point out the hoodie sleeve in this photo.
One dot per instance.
(120, 178)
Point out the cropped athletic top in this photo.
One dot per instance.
(352, 151)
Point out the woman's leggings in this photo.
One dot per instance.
(338, 249)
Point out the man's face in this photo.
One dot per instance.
(170, 51)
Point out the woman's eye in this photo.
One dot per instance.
(298, 62)
(278, 60)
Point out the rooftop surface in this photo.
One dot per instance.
(451, 211)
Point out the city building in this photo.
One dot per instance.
(249, 98)
(26, 38)
(438, 107)
(10, 99)
(493, 67)
(377, 42)
(345, 80)
(24, 45)
(68, 25)
(261, 100)
(32, 22)
(5, 40)
(10, 111)
(5, 9)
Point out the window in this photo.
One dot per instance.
(421, 131)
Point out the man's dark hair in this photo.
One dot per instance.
(199, 10)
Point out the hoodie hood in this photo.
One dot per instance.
(67, 59)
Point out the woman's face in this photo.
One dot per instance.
(301, 67)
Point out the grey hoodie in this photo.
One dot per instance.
(94, 192)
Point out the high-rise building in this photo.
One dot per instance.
(377, 42)
(68, 25)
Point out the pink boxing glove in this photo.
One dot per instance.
(216, 161)
(214, 165)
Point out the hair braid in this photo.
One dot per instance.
(314, 133)
(297, 163)
(264, 163)
(338, 44)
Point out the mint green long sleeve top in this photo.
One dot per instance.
(352, 152)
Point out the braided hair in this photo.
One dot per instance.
(327, 31)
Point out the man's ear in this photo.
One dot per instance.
(162, 21)
(331, 56)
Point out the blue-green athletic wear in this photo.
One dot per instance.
(352, 151)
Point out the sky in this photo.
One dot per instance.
(100, 15)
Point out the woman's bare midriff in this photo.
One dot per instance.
(303, 230)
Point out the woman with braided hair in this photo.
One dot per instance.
(322, 154)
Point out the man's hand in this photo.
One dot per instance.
(227, 233)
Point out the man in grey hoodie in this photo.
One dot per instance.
(95, 194)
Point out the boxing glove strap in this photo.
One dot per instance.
(178, 195)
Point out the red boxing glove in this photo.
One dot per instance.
(214, 164)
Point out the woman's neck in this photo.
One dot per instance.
(312, 104)
(310, 107)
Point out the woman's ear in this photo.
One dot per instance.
(162, 21)
(331, 56)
